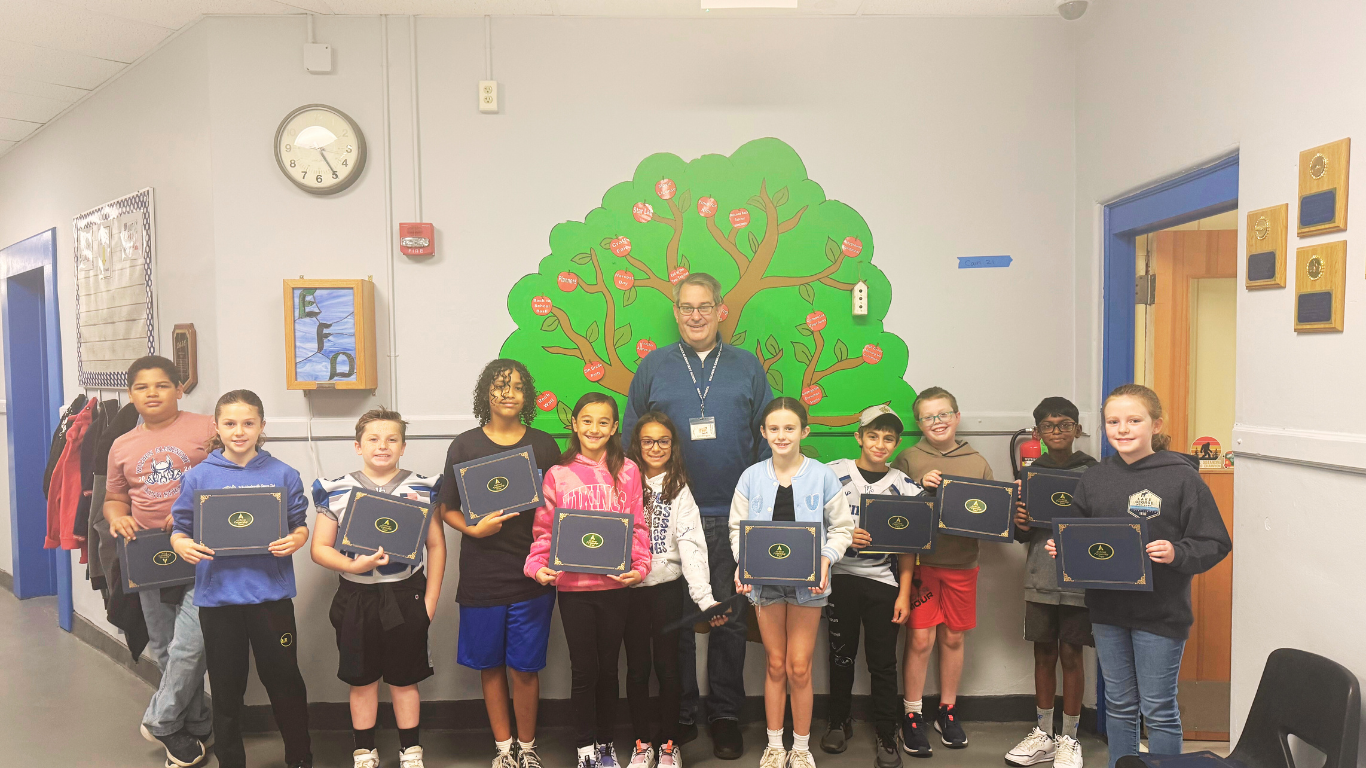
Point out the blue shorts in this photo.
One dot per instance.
(514, 635)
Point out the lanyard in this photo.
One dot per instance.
(701, 393)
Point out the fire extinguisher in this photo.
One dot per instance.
(1024, 450)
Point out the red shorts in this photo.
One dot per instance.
(947, 596)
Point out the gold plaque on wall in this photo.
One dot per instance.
(1323, 188)
(1266, 237)
(1320, 285)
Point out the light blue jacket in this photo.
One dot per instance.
(817, 497)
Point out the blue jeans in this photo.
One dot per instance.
(176, 644)
(725, 644)
(1140, 671)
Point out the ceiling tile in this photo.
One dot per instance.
(445, 7)
(35, 109)
(57, 67)
(174, 14)
(961, 7)
(14, 130)
(46, 90)
(63, 28)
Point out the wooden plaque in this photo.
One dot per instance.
(330, 334)
(1266, 240)
(184, 346)
(1320, 285)
(1323, 188)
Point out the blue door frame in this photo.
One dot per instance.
(1188, 197)
(33, 395)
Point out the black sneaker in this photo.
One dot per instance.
(686, 732)
(726, 741)
(182, 749)
(887, 755)
(913, 737)
(836, 738)
(950, 732)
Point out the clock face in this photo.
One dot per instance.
(320, 149)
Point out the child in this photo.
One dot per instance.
(504, 614)
(865, 592)
(372, 642)
(145, 468)
(1140, 636)
(678, 548)
(594, 474)
(1056, 619)
(790, 486)
(947, 577)
(245, 602)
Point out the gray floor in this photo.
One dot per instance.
(66, 704)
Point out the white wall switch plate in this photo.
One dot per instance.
(318, 58)
(488, 95)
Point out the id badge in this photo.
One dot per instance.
(703, 428)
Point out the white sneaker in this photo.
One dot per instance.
(505, 759)
(365, 758)
(773, 757)
(642, 756)
(1069, 753)
(1037, 747)
(670, 756)
(801, 758)
(410, 758)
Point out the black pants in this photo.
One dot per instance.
(268, 630)
(854, 602)
(649, 609)
(593, 626)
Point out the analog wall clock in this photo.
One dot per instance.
(320, 149)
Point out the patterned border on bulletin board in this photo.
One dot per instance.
(89, 259)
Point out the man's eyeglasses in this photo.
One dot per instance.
(936, 418)
(663, 442)
(704, 310)
(1066, 426)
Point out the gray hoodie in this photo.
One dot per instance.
(1041, 573)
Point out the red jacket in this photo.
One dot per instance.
(64, 494)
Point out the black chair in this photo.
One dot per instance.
(1301, 693)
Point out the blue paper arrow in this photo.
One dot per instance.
(983, 262)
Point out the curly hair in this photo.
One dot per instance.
(497, 374)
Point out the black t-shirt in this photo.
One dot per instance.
(783, 508)
(491, 568)
(870, 477)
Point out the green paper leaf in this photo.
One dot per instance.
(810, 451)
(629, 298)
(771, 346)
(756, 201)
(841, 351)
(582, 258)
(753, 243)
(738, 339)
(802, 351)
(685, 200)
(684, 263)
(564, 412)
(622, 336)
(550, 323)
(807, 293)
(775, 380)
(832, 250)
(606, 242)
(780, 197)
(805, 329)
(593, 333)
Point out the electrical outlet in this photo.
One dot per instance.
(488, 95)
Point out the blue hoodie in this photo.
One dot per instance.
(248, 579)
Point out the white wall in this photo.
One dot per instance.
(950, 136)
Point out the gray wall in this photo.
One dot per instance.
(950, 136)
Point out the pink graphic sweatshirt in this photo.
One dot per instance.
(586, 484)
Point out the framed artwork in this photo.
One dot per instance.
(115, 299)
(330, 334)
(185, 348)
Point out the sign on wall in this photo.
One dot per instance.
(115, 307)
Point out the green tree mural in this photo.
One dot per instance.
(788, 258)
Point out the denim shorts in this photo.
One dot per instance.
(770, 594)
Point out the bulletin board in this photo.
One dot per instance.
(115, 299)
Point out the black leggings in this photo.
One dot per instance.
(268, 631)
(649, 610)
(593, 626)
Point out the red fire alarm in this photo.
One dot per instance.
(415, 239)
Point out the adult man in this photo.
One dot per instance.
(145, 467)
(715, 393)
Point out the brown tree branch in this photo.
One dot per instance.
(610, 322)
(652, 280)
(843, 365)
(570, 351)
(741, 260)
(840, 284)
(676, 224)
(788, 282)
(586, 351)
(809, 373)
(791, 224)
(767, 362)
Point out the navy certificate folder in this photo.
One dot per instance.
(498, 484)
(582, 541)
(898, 524)
(149, 562)
(373, 520)
(239, 521)
(976, 508)
(1048, 494)
(780, 552)
(1103, 553)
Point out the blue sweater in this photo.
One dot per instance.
(739, 392)
(247, 579)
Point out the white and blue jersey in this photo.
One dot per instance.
(854, 485)
(331, 496)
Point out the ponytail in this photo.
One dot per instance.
(1151, 404)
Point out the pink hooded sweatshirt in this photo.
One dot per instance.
(586, 484)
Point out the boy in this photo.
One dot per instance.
(947, 577)
(1056, 619)
(865, 591)
(373, 642)
(504, 616)
(145, 467)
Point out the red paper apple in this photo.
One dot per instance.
(547, 401)
(666, 189)
(816, 320)
(872, 354)
(852, 247)
(739, 217)
(644, 347)
(725, 310)
(812, 394)
(621, 246)
(567, 281)
(594, 371)
(678, 274)
(624, 280)
(643, 212)
(706, 207)
(541, 305)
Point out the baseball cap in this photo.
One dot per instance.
(873, 412)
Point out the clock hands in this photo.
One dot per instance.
(325, 160)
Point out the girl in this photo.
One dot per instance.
(245, 601)
(593, 474)
(1140, 636)
(790, 486)
(678, 547)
